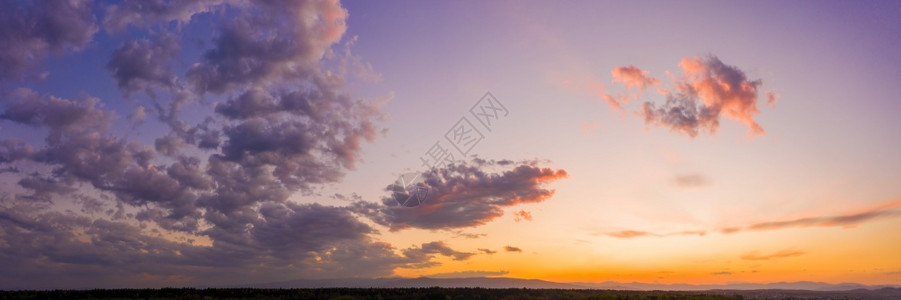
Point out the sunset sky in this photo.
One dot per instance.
(215, 142)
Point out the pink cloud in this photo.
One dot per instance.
(706, 92)
(634, 77)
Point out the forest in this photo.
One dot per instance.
(362, 293)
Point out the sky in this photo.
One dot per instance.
(216, 142)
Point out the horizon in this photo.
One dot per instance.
(215, 142)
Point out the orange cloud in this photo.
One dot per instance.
(722, 88)
(753, 255)
(628, 234)
(522, 215)
(633, 77)
(707, 91)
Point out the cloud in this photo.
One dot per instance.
(208, 198)
(754, 255)
(721, 273)
(691, 180)
(487, 251)
(438, 247)
(628, 234)
(885, 210)
(522, 215)
(460, 233)
(468, 274)
(14, 149)
(633, 77)
(708, 91)
(208, 201)
(849, 220)
(60, 116)
(142, 13)
(290, 239)
(512, 249)
(34, 29)
(286, 45)
(771, 97)
(465, 195)
(141, 65)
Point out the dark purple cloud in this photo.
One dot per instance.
(431, 248)
(143, 13)
(34, 29)
(142, 65)
(270, 47)
(206, 202)
(208, 198)
(13, 149)
(464, 195)
(290, 240)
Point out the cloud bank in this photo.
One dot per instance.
(206, 202)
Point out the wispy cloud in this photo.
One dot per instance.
(512, 249)
(634, 78)
(886, 210)
(627, 234)
(691, 180)
(522, 215)
(754, 255)
(850, 220)
(487, 251)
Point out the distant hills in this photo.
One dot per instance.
(484, 282)
(799, 285)
(506, 282)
